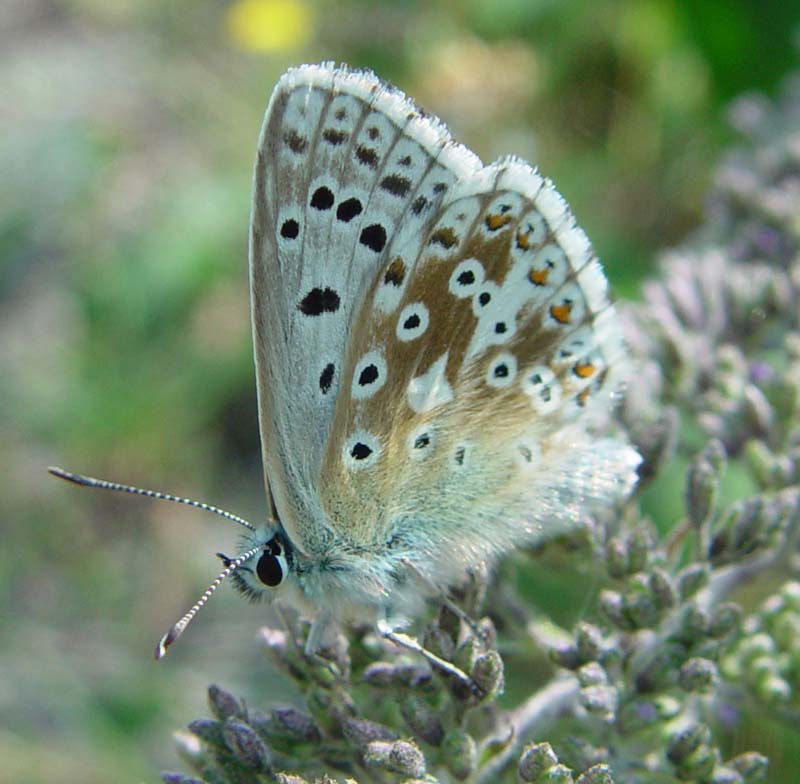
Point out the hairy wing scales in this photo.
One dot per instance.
(345, 164)
(481, 449)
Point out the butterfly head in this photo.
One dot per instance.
(268, 564)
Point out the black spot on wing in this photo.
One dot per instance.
(334, 137)
(326, 378)
(322, 198)
(295, 142)
(396, 185)
(319, 301)
(290, 229)
(374, 237)
(348, 209)
(367, 156)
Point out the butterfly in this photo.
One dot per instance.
(436, 356)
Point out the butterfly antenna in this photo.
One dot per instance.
(88, 481)
(177, 629)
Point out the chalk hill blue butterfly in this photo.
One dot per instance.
(436, 356)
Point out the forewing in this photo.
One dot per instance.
(345, 165)
(482, 357)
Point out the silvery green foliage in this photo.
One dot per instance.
(635, 692)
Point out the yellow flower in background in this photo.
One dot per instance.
(269, 25)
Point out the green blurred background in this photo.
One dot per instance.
(128, 134)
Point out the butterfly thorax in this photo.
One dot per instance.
(344, 580)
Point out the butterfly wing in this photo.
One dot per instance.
(473, 380)
(346, 165)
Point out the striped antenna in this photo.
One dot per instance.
(177, 629)
(88, 481)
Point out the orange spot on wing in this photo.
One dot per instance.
(524, 239)
(582, 397)
(584, 369)
(495, 222)
(395, 272)
(539, 276)
(561, 312)
(445, 237)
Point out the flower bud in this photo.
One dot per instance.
(684, 743)
(662, 589)
(223, 704)
(460, 754)
(487, 673)
(616, 558)
(421, 719)
(692, 579)
(535, 760)
(751, 765)
(209, 731)
(398, 756)
(597, 774)
(589, 642)
(361, 732)
(246, 746)
(698, 675)
(289, 778)
(558, 774)
(725, 619)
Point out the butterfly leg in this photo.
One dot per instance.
(445, 600)
(322, 634)
(442, 666)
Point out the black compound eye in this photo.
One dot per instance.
(270, 569)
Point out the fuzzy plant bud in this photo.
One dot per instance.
(289, 778)
(774, 689)
(597, 774)
(600, 701)
(662, 589)
(686, 742)
(786, 630)
(755, 647)
(725, 619)
(488, 675)
(692, 579)
(751, 766)
(223, 704)
(566, 656)
(725, 775)
(698, 675)
(361, 732)
(246, 746)
(534, 761)
(640, 545)
(592, 674)
(294, 725)
(790, 593)
(380, 673)
(639, 604)
(399, 756)
(616, 558)
(460, 754)
(702, 487)
(209, 731)
(588, 642)
(422, 720)
(693, 624)
(611, 605)
(326, 713)
(757, 409)
(558, 774)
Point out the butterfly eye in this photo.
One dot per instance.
(271, 567)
